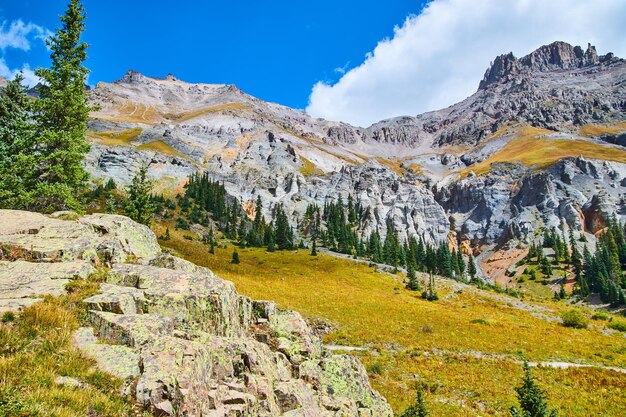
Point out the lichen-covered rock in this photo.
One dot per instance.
(185, 342)
(121, 237)
(97, 238)
(196, 300)
(22, 282)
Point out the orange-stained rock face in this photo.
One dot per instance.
(495, 264)
(465, 247)
(250, 208)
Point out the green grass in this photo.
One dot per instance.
(539, 152)
(374, 310)
(36, 347)
(116, 138)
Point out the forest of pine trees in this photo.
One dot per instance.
(206, 202)
(600, 273)
(336, 227)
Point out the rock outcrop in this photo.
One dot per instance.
(184, 340)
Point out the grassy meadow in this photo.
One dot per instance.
(466, 348)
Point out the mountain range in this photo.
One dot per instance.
(540, 143)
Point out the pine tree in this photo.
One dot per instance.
(545, 266)
(258, 225)
(235, 259)
(532, 399)
(110, 185)
(461, 264)
(418, 408)
(139, 205)
(471, 267)
(110, 204)
(17, 148)
(314, 248)
(430, 293)
(271, 243)
(61, 117)
(412, 283)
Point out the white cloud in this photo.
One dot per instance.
(342, 70)
(438, 57)
(18, 34)
(30, 79)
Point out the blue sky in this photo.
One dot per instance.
(358, 61)
(274, 49)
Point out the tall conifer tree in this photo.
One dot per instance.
(61, 116)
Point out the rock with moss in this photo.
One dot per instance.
(183, 340)
(97, 238)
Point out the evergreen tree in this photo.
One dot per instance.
(235, 259)
(110, 185)
(430, 293)
(61, 117)
(314, 248)
(461, 264)
(139, 205)
(18, 159)
(282, 231)
(110, 204)
(532, 399)
(258, 226)
(412, 283)
(471, 267)
(271, 243)
(545, 266)
(418, 408)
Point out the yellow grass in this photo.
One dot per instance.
(416, 168)
(538, 152)
(115, 138)
(161, 147)
(599, 130)
(373, 309)
(37, 348)
(309, 168)
(395, 166)
(183, 117)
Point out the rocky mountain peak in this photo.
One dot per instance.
(170, 77)
(132, 77)
(556, 56)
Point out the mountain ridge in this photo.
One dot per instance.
(405, 170)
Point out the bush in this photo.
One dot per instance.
(600, 316)
(480, 321)
(11, 406)
(235, 259)
(375, 368)
(574, 318)
(618, 325)
(181, 224)
(8, 317)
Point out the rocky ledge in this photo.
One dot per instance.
(183, 339)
